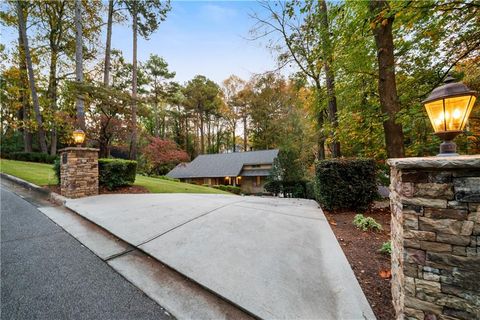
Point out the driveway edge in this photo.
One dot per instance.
(52, 196)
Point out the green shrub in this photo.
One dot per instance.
(113, 173)
(11, 142)
(386, 248)
(366, 223)
(273, 186)
(310, 190)
(56, 169)
(346, 183)
(31, 157)
(232, 189)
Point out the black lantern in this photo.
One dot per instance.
(78, 137)
(448, 108)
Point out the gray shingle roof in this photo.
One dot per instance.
(222, 165)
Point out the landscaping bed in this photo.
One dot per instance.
(371, 267)
(103, 190)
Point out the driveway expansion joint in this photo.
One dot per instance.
(186, 222)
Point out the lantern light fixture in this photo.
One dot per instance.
(79, 137)
(448, 108)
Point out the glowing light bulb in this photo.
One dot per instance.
(457, 114)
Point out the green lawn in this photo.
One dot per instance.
(156, 185)
(42, 174)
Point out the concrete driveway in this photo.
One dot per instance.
(275, 258)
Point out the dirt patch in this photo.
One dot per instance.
(371, 267)
(103, 190)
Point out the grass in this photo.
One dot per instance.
(42, 174)
(156, 185)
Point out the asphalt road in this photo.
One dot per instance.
(47, 274)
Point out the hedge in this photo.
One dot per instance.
(346, 183)
(291, 189)
(112, 173)
(232, 189)
(31, 157)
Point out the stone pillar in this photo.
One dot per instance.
(435, 227)
(78, 172)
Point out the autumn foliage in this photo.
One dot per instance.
(161, 155)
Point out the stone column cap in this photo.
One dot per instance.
(464, 162)
(78, 149)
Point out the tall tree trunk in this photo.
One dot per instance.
(202, 135)
(329, 75)
(186, 133)
(245, 133)
(133, 140)
(52, 93)
(321, 137)
(233, 137)
(156, 129)
(27, 135)
(209, 135)
(31, 77)
(104, 142)
(387, 87)
(108, 45)
(79, 63)
(320, 123)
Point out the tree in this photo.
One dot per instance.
(163, 155)
(146, 16)
(156, 70)
(31, 77)
(232, 87)
(79, 63)
(108, 45)
(27, 135)
(201, 96)
(329, 73)
(381, 24)
(302, 47)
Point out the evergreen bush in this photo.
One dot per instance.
(114, 173)
(346, 183)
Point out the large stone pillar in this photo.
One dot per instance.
(435, 226)
(78, 172)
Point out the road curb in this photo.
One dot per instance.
(52, 196)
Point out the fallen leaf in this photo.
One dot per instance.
(385, 274)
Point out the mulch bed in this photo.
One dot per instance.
(371, 267)
(103, 190)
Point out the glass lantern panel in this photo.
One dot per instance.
(436, 114)
(456, 112)
(469, 110)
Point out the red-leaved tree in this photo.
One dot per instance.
(162, 155)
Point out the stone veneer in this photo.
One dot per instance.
(78, 172)
(435, 227)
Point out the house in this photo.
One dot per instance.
(247, 170)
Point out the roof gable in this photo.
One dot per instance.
(222, 165)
